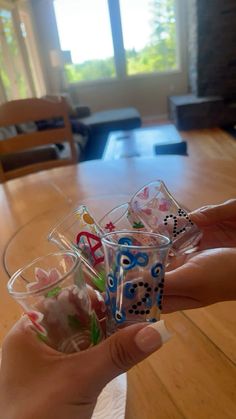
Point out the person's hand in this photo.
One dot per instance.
(40, 383)
(205, 278)
(218, 223)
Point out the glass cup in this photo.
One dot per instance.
(161, 213)
(135, 266)
(79, 232)
(55, 298)
(120, 218)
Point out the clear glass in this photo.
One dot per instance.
(79, 232)
(161, 213)
(135, 266)
(55, 297)
(85, 35)
(149, 33)
(120, 218)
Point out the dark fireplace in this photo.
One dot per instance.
(212, 67)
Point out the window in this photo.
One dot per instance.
(103, 39)
(85, 37)
(12, 69)
(149, 34)
(18, 78)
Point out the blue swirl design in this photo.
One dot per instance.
(129, 290)
(118, 315)
(126, 260)
(157, 270)
(111, 282)
(125, 241)
(107, 299)
(142, 259)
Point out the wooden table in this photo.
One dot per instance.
(194, 375)
(139, 142)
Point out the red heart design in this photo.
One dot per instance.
(144, 194)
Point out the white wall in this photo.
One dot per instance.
(148, 93)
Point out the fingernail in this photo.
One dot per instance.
(152, 337)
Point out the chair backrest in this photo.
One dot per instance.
(22, 111)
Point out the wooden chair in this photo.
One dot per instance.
(35, 143)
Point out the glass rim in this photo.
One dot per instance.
(125, 204)
(162, 183)
(106, 241)
(61, 221)
(19, 294)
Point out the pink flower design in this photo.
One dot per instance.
(110, 226)
(36, 318)
(43, 278)
(147, 211)
(164, 205)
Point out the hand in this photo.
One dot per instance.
(218, 223)
(38, 382)
(205, 278)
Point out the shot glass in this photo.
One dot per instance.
(161, 213)
(135, 266)
(121, 218)
(55, 298)
(79, 232)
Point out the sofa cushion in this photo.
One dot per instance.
(112, 120)
(7, 132)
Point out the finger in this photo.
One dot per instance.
(24, 338)
(179, 281)
(123, 350)
(206, 278)
(172, 303)
(212, 214)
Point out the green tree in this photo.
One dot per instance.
(163, 39)
(160, 52)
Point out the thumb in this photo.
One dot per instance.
(126, 348)
(212, 214)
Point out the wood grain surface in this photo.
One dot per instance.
(193, 376)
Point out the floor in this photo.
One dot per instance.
(208, 143)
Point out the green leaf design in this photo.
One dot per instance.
(95, 331)
(100, 281)
(73, 322)
(53, 293)
(42, 337)
(138, 224)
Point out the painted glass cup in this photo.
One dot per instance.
(135, 266)
(161, 213)
(78, 231)
(120, 218)
(56, 300)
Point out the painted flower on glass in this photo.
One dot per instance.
(44, 278)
